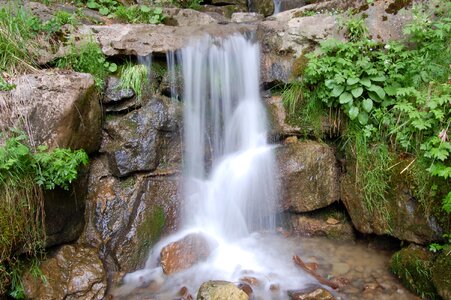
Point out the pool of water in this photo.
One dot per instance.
(360, 268)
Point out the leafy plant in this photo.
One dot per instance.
(24, 174)
(139, 14)
(105, 7)
(88, 58)
(5, 86)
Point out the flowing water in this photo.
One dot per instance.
(277, 4)
(230, 191)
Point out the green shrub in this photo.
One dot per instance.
(23, 176)
(139, 14)
(88, 58)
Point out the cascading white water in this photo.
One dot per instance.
(229, 189)
(229, 167)
(277, 4)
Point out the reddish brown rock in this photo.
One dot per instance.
(184, 253)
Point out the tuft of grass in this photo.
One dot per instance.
(18, 45)
(134, 77)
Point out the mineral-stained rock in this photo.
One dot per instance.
(220, 290)
(71, 272)
(308, 175)
(313, 293)
(184, 253)
(60, 109)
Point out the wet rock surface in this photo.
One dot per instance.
(71, 272)
(313, 293)
(308, 174)
(137, 141)
(264, 7)
(220, 290)
(60, 108)
(182, 254)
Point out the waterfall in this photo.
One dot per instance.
(171, 62)
(229, 167)
(277, 5)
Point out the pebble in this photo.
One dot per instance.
(340, 268)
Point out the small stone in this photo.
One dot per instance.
(220, 290)
(251, 280)
(340, 268)
(246, 288)
(314, 293)
(291, 140)
(332, 221)
(312, 266)
(274, 287)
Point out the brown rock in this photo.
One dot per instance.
(72, 272)
(332, 221)
(316, 226)
(184, 253)
(308, 176)
(314, 293)
(60, 109)
(246, 288)
(251, 280)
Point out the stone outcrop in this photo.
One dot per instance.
(322, 225)
(308, 176)
(399, 215)
(126, 216)
(144, 39)
(184, 253)
(220, 290)
(137, 141)
(59, 109)
(264, 7)
(71, 272)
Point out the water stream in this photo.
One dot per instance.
(230, 191)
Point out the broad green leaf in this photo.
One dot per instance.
(365, 81)
(378, 78)
(158, 11)
(390, 90)
(92, 5)
(345, 98)
(329, 83)
(363, 118)
(352, 81)
(145, 8)
(338, 89)
(104, 11)
(357, 92)
(374, 97)
(112, 68)
(367, 105)
(378, 90)
(353, 112)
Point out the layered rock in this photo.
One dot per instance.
(308, 176)
(71, 272)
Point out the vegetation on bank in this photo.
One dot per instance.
(24, 175)
(391, 104)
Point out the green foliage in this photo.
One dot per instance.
(88, 58)
(139, 14)
(134, 77)
(105, 7)
(5, 86)
(60, 19)
(23, 176)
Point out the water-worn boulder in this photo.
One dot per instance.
(184, 253)
(71, 272)
(59, 109)
(220, 290)
(137, 141)
(126, 216)
(311, 293)
(308, 176)
(399, 215)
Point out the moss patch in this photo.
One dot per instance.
(441, 273)
(413, 265)
(149, 232)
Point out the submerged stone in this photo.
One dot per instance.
(312, 293)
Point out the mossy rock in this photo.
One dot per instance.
(441, 273)
(413, 265)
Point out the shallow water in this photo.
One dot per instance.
(363, 271)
